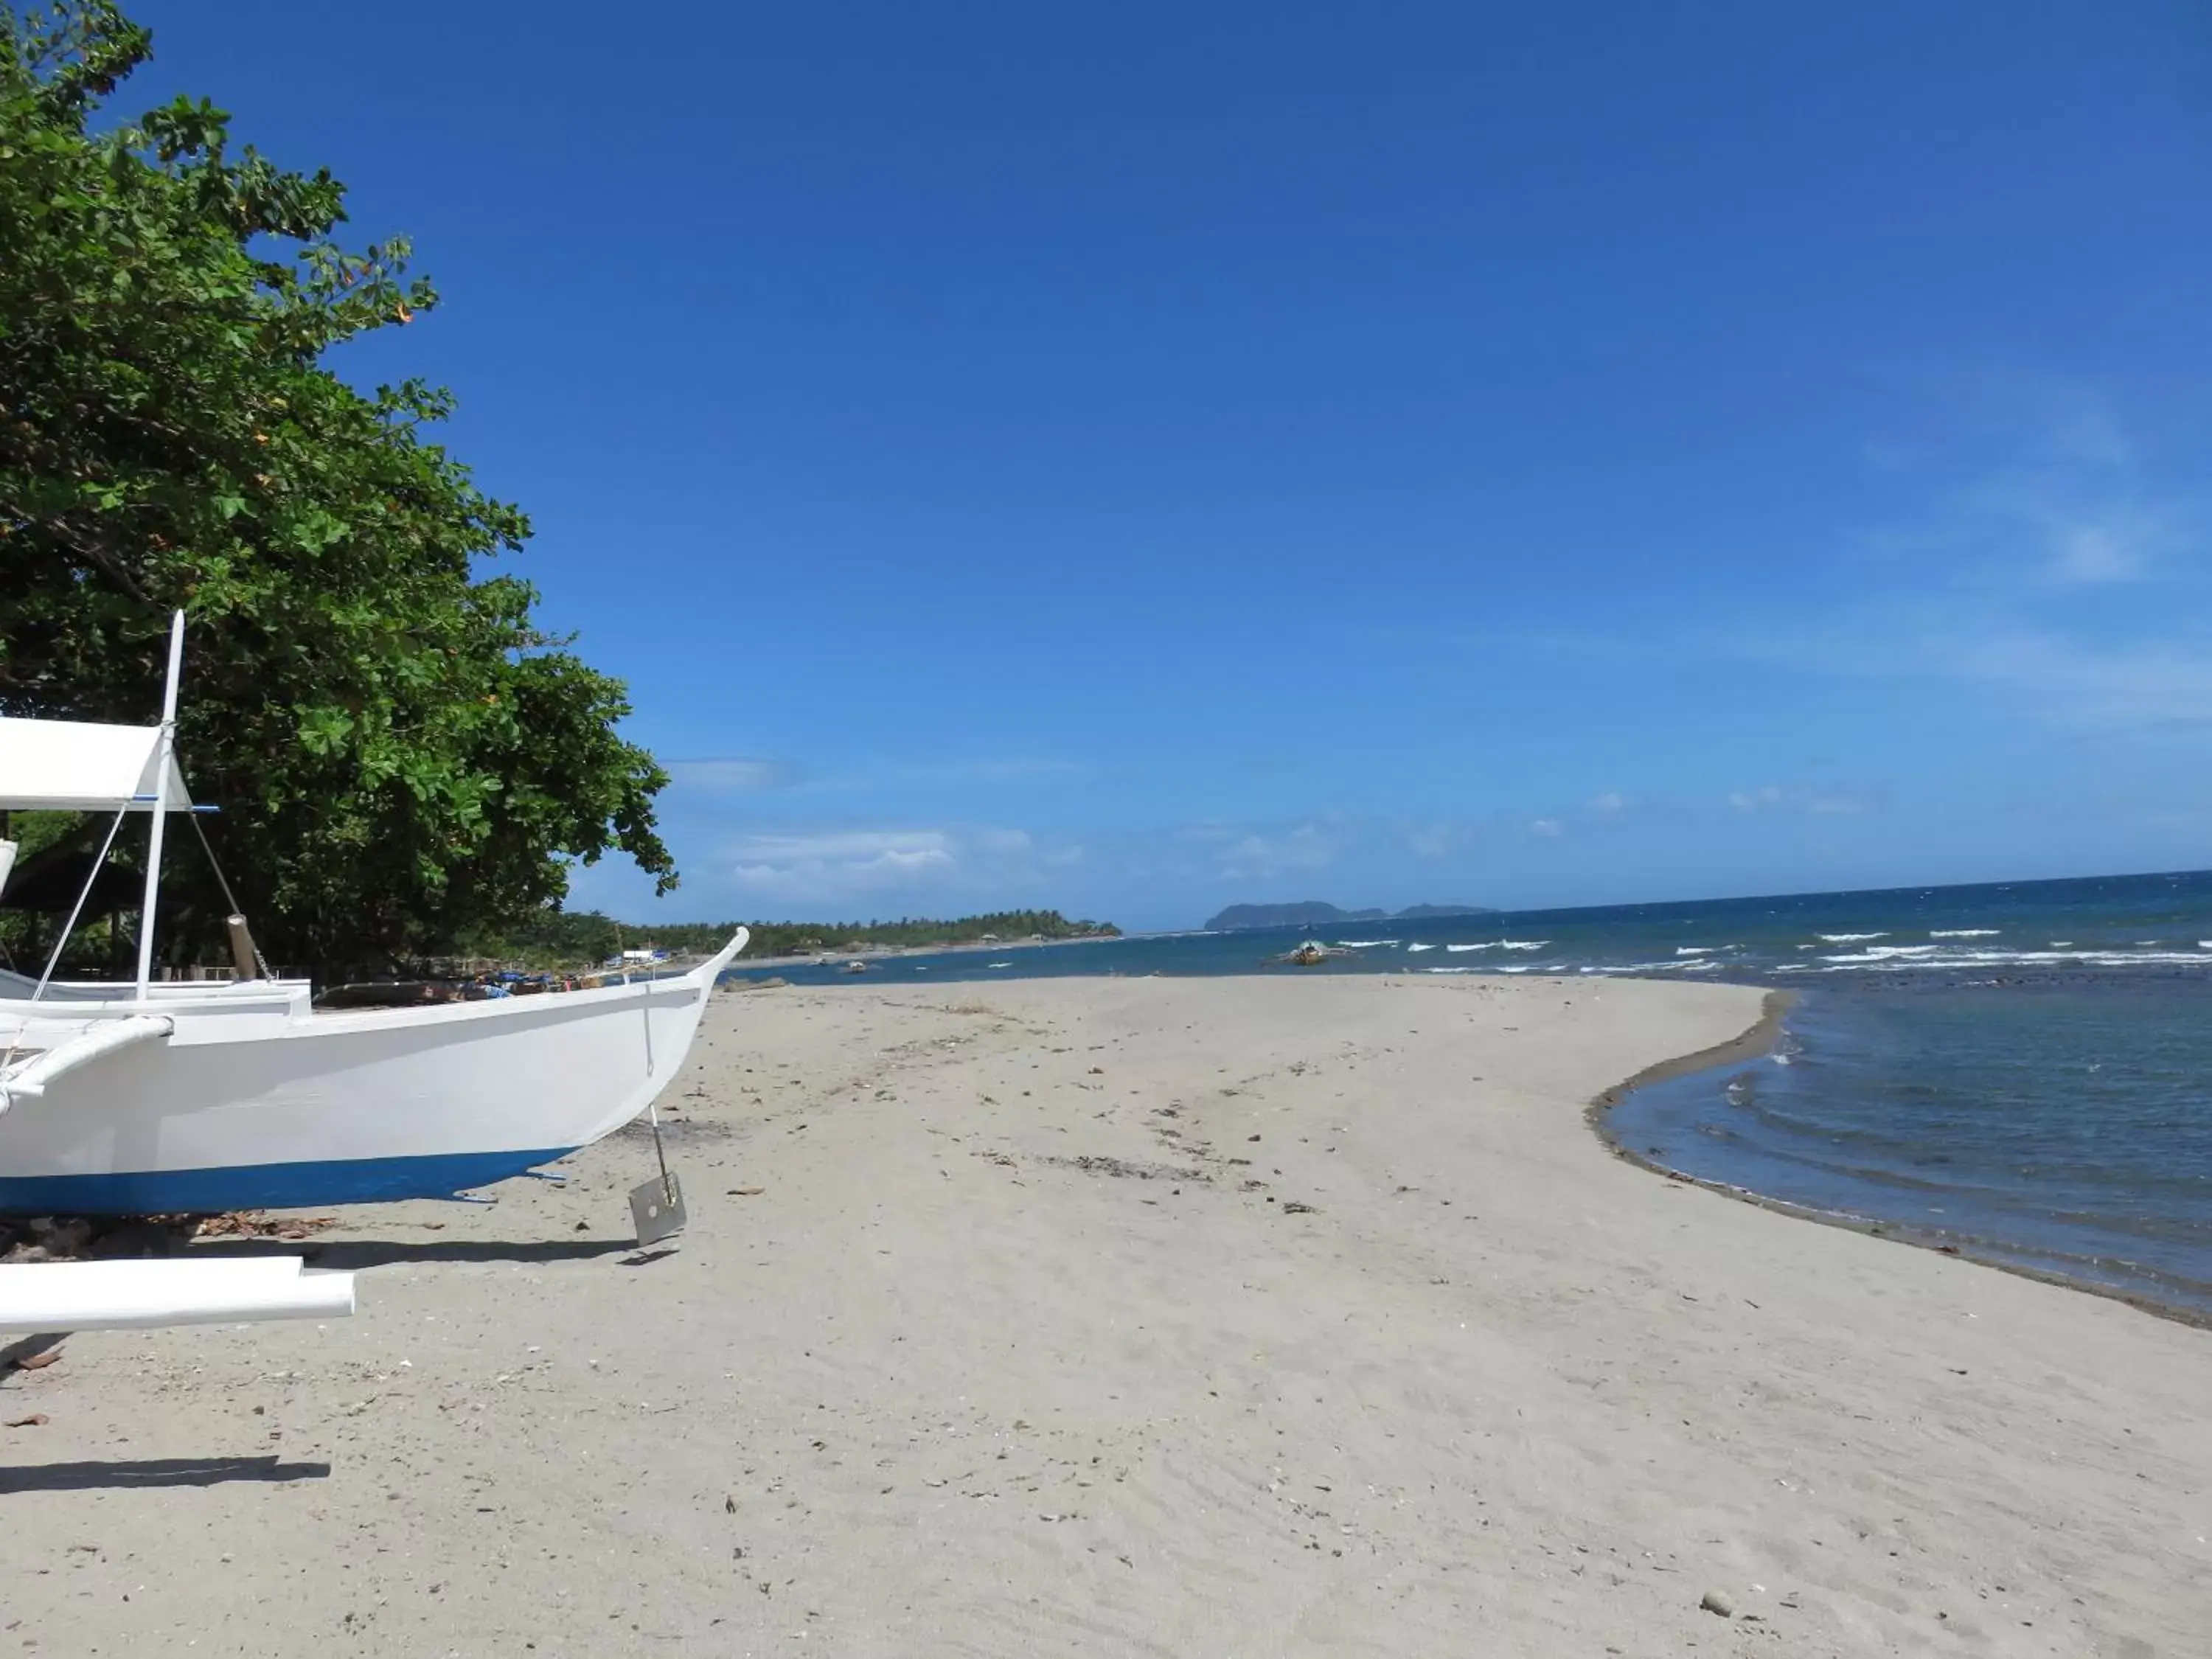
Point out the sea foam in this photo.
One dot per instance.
(1931, 956)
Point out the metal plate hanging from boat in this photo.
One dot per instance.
(657, 1207)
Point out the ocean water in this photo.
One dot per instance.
(2064, 1126)
(2021, 1071)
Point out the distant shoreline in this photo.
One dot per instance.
(882, 952)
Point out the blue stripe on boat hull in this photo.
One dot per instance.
(264, 1185)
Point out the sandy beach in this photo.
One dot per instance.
(1213, 1316)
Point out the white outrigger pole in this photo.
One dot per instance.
(57, 1297)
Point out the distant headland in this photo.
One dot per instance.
(1314, 913)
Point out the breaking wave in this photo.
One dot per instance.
(1937, 956)
(1887, 953)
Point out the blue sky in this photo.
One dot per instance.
(1138, 459)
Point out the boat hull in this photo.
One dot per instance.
(323, 1108)
(266, 1186)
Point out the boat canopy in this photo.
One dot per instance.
(78, 766)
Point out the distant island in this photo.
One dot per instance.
(1314, 913)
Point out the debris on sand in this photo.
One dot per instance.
(253, 1223)
(1128, 1169)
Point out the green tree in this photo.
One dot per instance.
(400, 753)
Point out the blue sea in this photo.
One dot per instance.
(2020, 1071)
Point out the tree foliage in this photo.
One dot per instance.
(400, 753)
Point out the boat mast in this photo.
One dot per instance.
(164, 747)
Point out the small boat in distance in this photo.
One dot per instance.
(156, 1098)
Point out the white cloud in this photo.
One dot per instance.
(2072, 496)
(2126, 684)
(989, 773)
(1546, 827)
(728, 773)
(2015, 577)
(2053, 573)
(2068, 532)
(2027, 485)
(1258, 856)
(1610, 802)
(2079, 425)
(2035, 669)
(848, 865)
(2120, 549)
(875, 778)
(834, 867)
(1430, 840)
(1796, 798)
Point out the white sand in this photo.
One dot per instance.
(937, 1389)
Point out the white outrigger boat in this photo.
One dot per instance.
(157, 1099)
